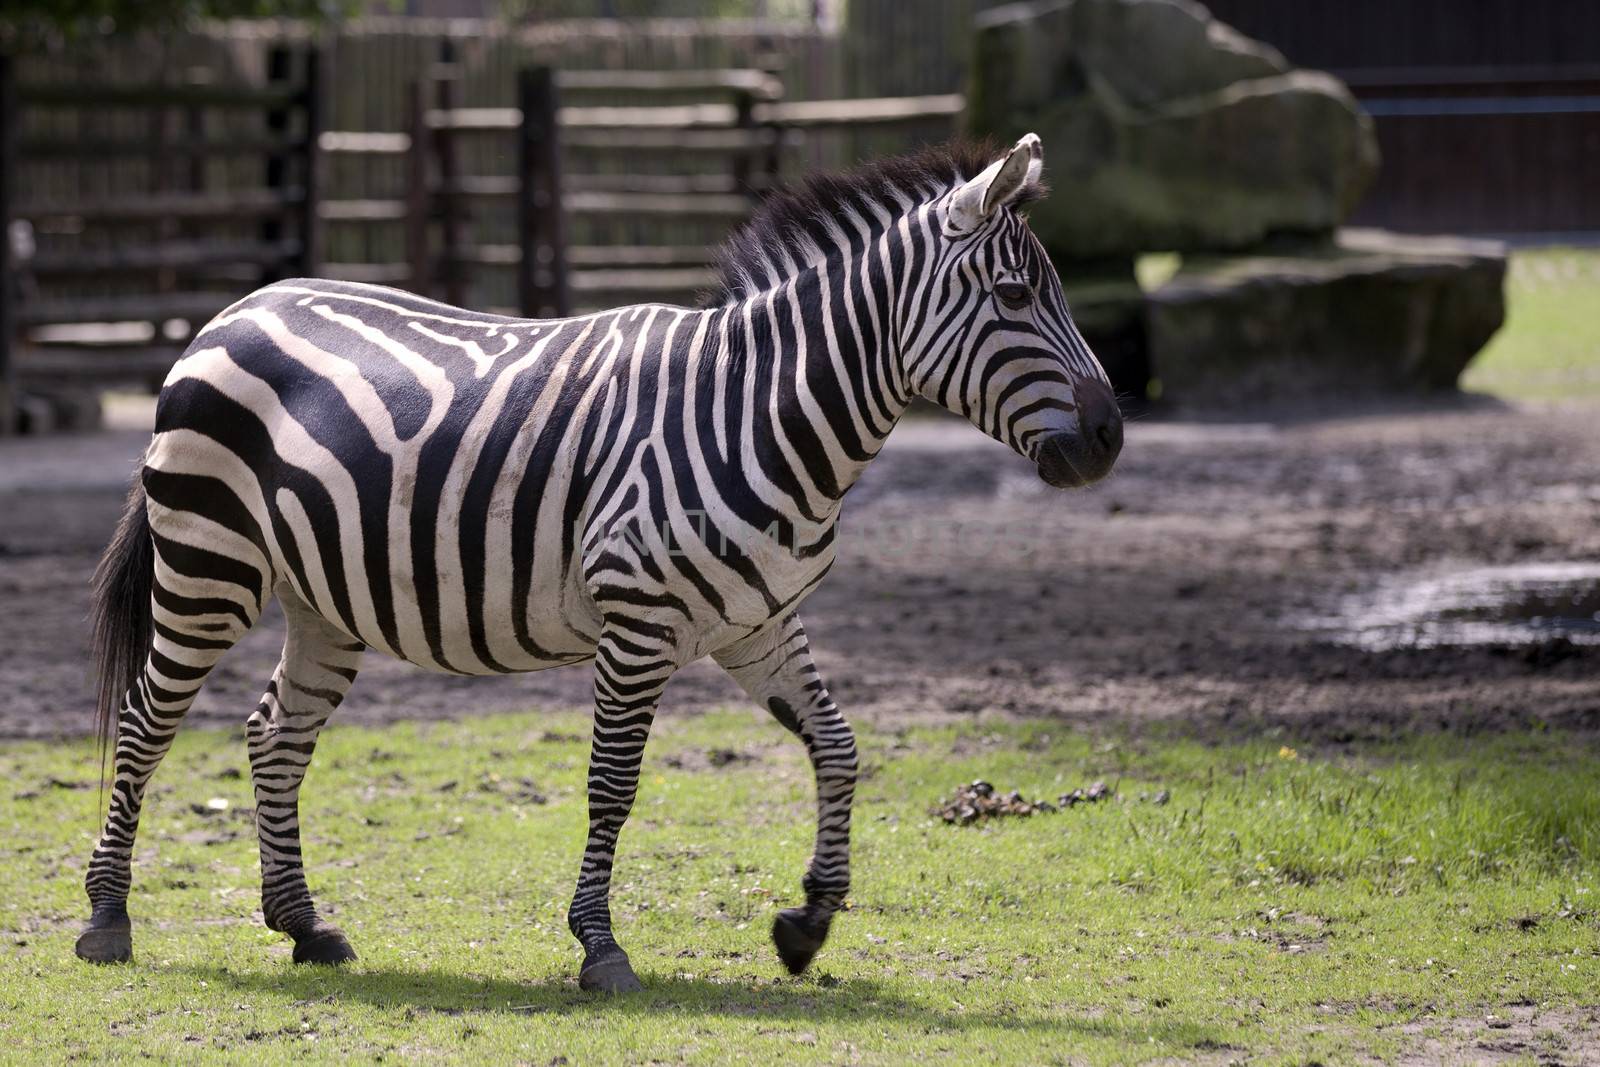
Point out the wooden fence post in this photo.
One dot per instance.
(744, 103)
(8, 280)
(542, 284)
(313, 103)
(276, 178)
(418, 202)
(451, 224)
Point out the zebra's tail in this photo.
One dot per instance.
(120, 620)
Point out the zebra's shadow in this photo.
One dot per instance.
(417, 993)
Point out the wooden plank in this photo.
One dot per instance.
(726, 206)
(362, 210)
(100, 148)
(671, 184)
(475, 119)
(250, 203)
(599, 256)
(191, 306)
(476, 186)
(90, 95)
(640, 255)
(173, 255)
(681, 185)
(101, 365)
(674, 142)
(667, 117)
(874, 111)
(757, 82)
(622, 282)
(375, 273)
(671, 117)
(492, 255)
(350, 142)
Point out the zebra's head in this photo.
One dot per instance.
(990, 337)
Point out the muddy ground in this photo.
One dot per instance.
(1177, 590)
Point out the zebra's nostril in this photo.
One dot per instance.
(1103, 435)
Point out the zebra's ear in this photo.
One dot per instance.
(998, 185)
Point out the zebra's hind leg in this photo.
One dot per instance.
(319, 663)
(183, 650)
(774, 666)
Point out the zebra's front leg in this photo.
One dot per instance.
(630, 671)
(774, 666)
(319, 663)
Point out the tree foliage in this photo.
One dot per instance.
(104, 16)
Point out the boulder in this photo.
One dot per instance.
(1108, 307)
(1165, 130)
(1363, 312)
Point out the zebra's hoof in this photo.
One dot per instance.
(799, 933)
(107, 942)
(609, 972)
(323, 944)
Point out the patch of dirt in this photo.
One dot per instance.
(1521, 1033)
(966, 587)
(707, 759)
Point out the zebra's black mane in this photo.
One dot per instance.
(795, 222)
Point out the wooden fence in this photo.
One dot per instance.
(597, 188)
(104, 286)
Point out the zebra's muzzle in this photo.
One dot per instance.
(1086, 455)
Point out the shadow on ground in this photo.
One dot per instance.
(680, 998)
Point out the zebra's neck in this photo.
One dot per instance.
(816, 358)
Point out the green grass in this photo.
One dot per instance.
(1549, 348)
(1283, 906)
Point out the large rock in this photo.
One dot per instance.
(1165, 130)
(1366, 312)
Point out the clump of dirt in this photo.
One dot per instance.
(520, 790)
(1094, 794)
(979, 801)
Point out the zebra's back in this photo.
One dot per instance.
(405, 467)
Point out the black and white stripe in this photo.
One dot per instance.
(640, 487)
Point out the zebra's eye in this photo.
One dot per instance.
(1014, 295)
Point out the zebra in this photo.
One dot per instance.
(636, 488)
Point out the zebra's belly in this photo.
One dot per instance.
(408, 570)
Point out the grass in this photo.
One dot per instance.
(1549, 348)
(1283, 905)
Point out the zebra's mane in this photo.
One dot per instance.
(793, 226)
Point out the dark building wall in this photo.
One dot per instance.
(1487, 111)
(1340, 34)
